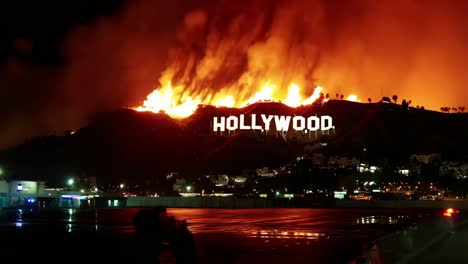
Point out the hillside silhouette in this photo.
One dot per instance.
(143, 147)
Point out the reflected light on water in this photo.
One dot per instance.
(298, 234)
(70, 220)
(386, 220)
(19, 219)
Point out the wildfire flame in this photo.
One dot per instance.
(179, 104)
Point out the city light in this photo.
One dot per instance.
(188, 188)
(122, 186)
(70, 182)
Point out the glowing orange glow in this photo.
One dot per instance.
(449, 212)
(178, 102)
(228, 101)
(293, 98)
(353, 98)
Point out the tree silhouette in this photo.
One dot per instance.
(409, 102)
(369, 100)
(462, 109)
(327, 96)
(404, 104)
(341, 97)
(442, 109)
(454, 109)
(337, 96)
(321, 97)
(395, 98)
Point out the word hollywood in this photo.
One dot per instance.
(281, 123)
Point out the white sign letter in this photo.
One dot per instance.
(232, 123)
(254, 122)
(313, 123)
(267, 121)
(218, 125)
(329, 123)
(298, 123)
(242, 123)
(282, 123)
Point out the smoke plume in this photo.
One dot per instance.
(415, 49)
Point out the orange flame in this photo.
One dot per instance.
(353, 98)
(179, 103)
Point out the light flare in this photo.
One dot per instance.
(353, 98)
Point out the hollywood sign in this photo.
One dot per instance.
(281, 123)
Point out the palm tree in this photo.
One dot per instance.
(442, 109)
(327, 96)
(404, 104)
(341, 97)
(409, 102)
(395, 98)
(447, 109)
(369, 100)
(462, 109)
(337, 96)
(454, 109)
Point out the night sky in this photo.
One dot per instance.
(64, 62)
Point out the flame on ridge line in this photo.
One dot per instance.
(180, 105)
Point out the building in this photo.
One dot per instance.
(363, 167)
(35, 194)
(426, 158)
(343, 162)
(454, 169)
(265, 172)
(19, 193)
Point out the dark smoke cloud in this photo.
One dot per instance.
(412, 48)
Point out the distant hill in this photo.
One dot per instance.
(126, 144)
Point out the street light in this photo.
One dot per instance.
(70, 182)
(122, 186)
(188, 188)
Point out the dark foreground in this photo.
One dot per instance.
(222, 236)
